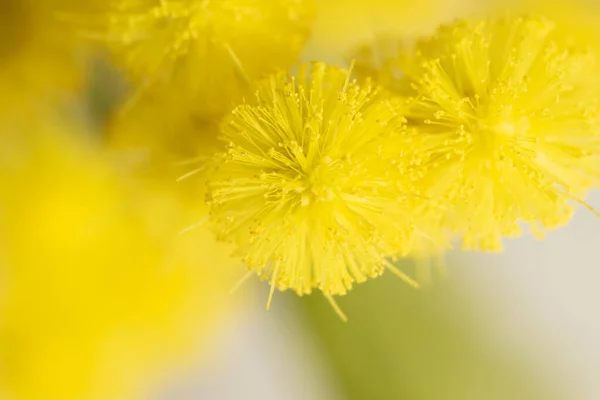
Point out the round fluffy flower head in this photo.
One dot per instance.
(504, 117)
(305, 189)
(211, 48)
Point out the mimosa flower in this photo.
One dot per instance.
(504, 116)
(210, 50)
(306, 190)
(100, 296)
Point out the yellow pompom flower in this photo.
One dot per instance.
(504, 118)
(306, 189)
(211, 49)
(100, 296)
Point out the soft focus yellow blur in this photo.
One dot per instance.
(99, 293)
(342, 25)
(576, 20)
(104, 292)
(163, 128)
(39, 60)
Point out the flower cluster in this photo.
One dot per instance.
(483, 126)
(504, 119)
(226, 148)
(323, 181)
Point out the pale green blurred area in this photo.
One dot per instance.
(402, 343)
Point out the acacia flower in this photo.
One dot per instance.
(210, 49)
(504, 116)
(306, 190)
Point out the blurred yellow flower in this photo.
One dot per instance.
(504, 115)
(342, 25)
(210, 50)
(306, 190)
(163, 129)
(100, 296)
(577, 20)
(39, 61)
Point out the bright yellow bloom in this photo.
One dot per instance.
(100, 296)
(306, 190)
(504, 118)
(210, 49)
